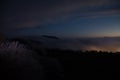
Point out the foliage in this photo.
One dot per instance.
(19, 62)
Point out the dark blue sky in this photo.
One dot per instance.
(64, 18)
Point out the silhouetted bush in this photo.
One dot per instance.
(20, 63)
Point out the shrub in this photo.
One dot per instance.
(20, 63)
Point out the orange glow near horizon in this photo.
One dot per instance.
(105, 48)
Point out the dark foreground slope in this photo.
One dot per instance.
(88, 65)
(56, 64)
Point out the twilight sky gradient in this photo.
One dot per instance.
(64, 18)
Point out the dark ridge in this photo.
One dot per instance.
(93, 65)
(53, 37)
(81, 65)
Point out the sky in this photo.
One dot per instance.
(64, 18)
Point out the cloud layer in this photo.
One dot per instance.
(97, 44)
(18, 14)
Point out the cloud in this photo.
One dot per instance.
(17, 14)
(98, 44)
(103, 44)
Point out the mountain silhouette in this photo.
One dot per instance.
(47, 36)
